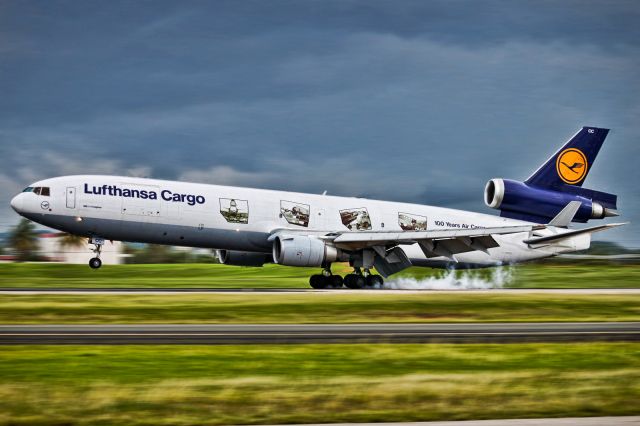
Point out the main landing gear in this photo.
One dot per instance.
(325, 280)
(95, 262)
(356, 280)
(366, 279)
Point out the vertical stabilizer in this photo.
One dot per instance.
(571, 164)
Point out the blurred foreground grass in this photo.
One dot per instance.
(185, 385)
(326, 307)
(275, 276)
(332, 307)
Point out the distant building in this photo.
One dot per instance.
(51, 250)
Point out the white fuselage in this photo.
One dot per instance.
(242, 219)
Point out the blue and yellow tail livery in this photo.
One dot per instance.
(555, 184)
(571, 164)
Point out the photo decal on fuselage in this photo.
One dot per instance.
(234, 210)
(412, 222)
(356, 219)
(295, 213)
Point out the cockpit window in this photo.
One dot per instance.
(38, 190)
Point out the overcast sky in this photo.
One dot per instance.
(415, 101)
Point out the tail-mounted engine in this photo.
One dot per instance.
(517, 200)
(555, 184)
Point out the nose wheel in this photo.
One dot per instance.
(95, 262)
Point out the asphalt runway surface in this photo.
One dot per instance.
(320, 333)
(567, 421)
(276, 291)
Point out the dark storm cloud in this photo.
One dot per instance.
(411, 101)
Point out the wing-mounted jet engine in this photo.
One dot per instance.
(555, 184)
(242, 258)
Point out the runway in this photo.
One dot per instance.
(567, 421)
(278, 291)
(320, 333)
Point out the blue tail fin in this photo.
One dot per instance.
(571, 164)
(557, 183)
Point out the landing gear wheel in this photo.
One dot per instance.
(336, 281)
(318, 281)
(375, 281)
(354, 281)
(95, 263)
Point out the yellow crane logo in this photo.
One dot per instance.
(571, 166)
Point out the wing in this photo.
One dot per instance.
(441, 242)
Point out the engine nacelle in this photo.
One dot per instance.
(241, 258)
(304, 251)
(521, 201)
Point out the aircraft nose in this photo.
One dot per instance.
(16, 203)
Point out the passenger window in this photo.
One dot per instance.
(44, 191)
(36, 190)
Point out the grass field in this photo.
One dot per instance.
(334, 307)
(185, 385)
(330, 307)
(274, 276)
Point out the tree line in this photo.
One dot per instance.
(22, 243)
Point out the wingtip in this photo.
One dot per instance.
(613, 225)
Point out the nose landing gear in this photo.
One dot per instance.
(95, 262)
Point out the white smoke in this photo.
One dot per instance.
(455, 280)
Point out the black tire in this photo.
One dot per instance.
(375, 281)
(336, 281)
(318, 281)
(95, 263)
(348, 281)
(354, 281)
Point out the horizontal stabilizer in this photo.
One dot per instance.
(564, 218)
(559, 237)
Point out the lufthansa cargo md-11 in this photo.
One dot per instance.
(250, 227)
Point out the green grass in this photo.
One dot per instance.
(330, 307)
(170, 275)
(308, 307)
(275, 276)
(185, 385)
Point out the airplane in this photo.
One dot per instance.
(251, 227)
